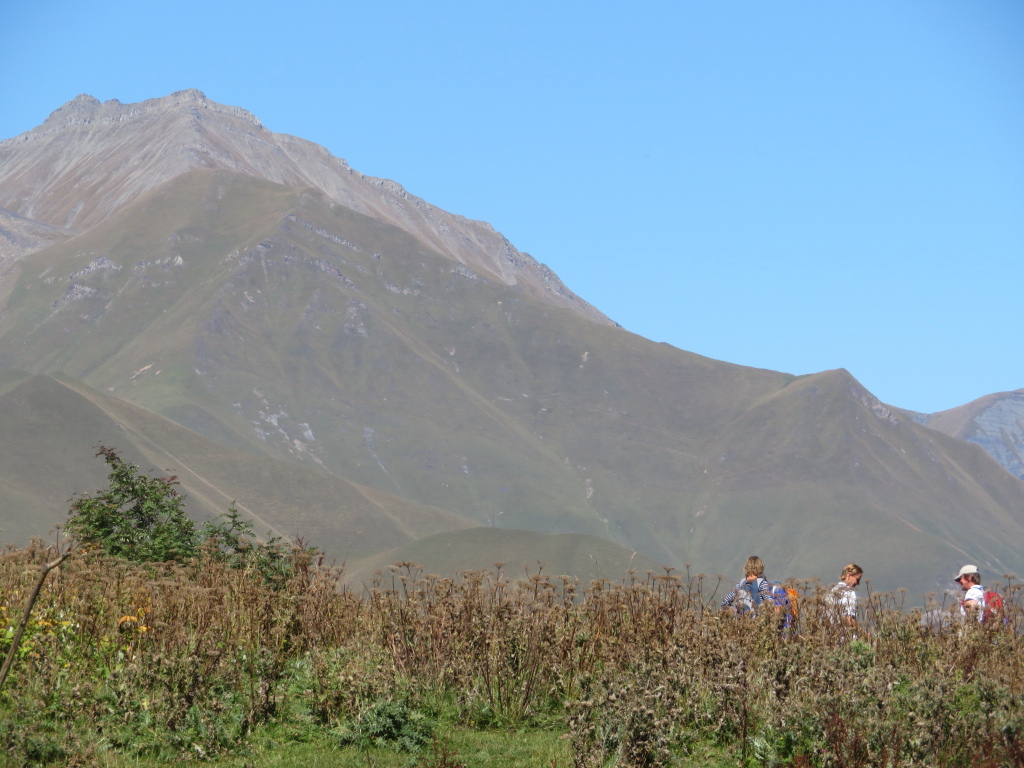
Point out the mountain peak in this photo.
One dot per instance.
(85, 109)
(81, 102)
(190, 93)
(81, 110)
(119, 152)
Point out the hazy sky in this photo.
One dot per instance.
(789, 185)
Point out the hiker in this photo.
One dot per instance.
(842, 598)
(787, 606)
(974, 601)
(752, 591)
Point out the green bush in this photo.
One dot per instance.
(142, 519)
(390, 725)
(137, 518)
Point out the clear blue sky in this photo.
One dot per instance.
(789, 185)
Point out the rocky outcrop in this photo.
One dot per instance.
(995, 422)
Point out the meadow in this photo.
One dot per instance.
(206, 660)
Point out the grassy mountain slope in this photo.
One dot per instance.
(832, 476)
(56, 422)
(275, 321)
(19, 236)
(413, 374)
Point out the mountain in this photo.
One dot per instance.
(90, 158)
(278, 306)
(995, 422)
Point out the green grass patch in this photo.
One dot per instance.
(459, 747)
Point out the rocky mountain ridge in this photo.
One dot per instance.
(90, 158)
(995, 422)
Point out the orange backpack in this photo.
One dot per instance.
(788, 599)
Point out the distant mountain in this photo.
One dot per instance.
(995, 422)
(362, 528)
(275, 304)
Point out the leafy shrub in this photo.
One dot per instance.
(137, 518)
(391, 725)
(143, 519)
(232, 540)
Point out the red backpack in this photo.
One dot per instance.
(993, 606)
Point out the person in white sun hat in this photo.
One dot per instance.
(974, 600)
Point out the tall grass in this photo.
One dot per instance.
(192, 660)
